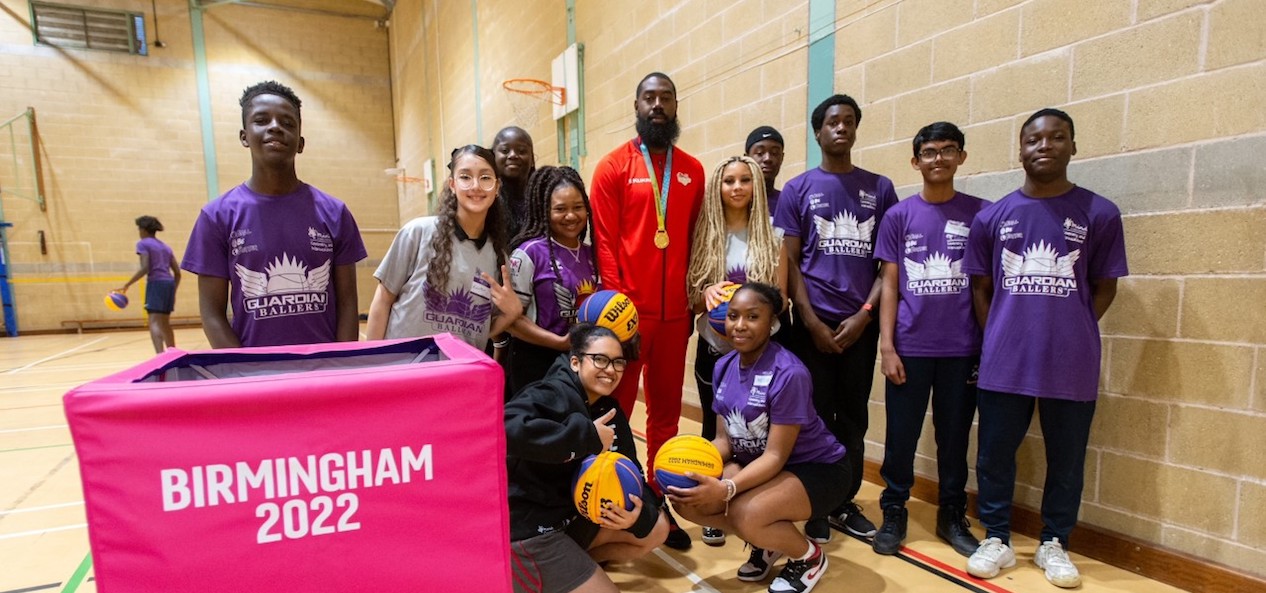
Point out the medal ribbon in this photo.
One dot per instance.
(661, 196)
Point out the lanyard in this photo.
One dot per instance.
(661, 195)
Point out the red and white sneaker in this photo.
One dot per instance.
(799, 576)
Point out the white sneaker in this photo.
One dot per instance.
(991, 557)
(1060, 571)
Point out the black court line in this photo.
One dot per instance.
(40, 587)
(638, 435)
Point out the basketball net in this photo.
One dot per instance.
(528, 98)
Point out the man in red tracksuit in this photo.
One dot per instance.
(646, 195)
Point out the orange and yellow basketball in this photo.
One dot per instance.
(602, 480)
(612, 310)
(686, 453)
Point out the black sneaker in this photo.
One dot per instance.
(758, 565)
(713, 537)
(677, 538)
(888, 540)
(818, 530)
(850, 518)
(952, 526)
(799, 576)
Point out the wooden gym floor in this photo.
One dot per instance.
(44, 544)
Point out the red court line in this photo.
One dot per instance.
(945, 568)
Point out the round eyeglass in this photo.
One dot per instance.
(468, 182)
(602, 361)
(928, 155)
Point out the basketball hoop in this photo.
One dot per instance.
(526, 95)
(537, 88)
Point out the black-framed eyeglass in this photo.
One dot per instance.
(602, 361)
(947, 153)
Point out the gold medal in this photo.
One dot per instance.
(661, 239)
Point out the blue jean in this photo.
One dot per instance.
(951, 384)
(1004, 418)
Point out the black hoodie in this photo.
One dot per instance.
(549, 431)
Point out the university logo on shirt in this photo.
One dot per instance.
(936, 275)
(844, 235)
(286, 287)
(1040, 270)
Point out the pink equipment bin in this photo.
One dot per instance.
(372, 466)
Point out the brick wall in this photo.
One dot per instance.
(1166, 95)
(120, 136)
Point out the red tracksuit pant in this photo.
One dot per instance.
(661, 368)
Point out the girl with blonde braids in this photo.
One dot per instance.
(734, 243)
(436, 276)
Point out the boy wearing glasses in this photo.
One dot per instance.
(929, 341)
(283, 250)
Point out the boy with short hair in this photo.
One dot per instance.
(830, 216)
(929, 341)
(282, 251)
(1044, 262)
(765, 146)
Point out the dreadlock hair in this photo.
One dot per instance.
(149, 224)
(540, 193)
(442, 242)
(268, 87)
(707, 254)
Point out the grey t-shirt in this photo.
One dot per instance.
(462, 308)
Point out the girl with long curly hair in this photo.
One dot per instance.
(436, 277)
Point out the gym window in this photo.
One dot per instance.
(77, 27)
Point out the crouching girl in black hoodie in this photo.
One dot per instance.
(551, 426)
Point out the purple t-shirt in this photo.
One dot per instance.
(926, 242)
(775, 390)
(160, 257)
(1042, 338)
(549, 295)
(836, 216)
(771, 197)
(279, 254)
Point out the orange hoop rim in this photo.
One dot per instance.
(537, 88)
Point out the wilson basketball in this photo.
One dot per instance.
(116, 301)
(612, 310)
(602, 480)
(686, 453)
(717, 314)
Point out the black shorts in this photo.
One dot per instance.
(827, 484)
(551, 562)
(160, 296)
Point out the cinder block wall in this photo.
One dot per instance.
(120, 136)
(1166, 96)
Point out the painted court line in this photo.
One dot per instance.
(33, 428)
(689, 574)
(47, 507)
(42, 531)
(55, 356)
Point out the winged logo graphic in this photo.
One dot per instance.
(934, 267)
(284, 275)
(1039, 260)
(844, 226)
(740, 429)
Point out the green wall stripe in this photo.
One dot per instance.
(479, 97)
(821, 68)
(203, 80)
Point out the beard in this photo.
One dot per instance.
(657, 135)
